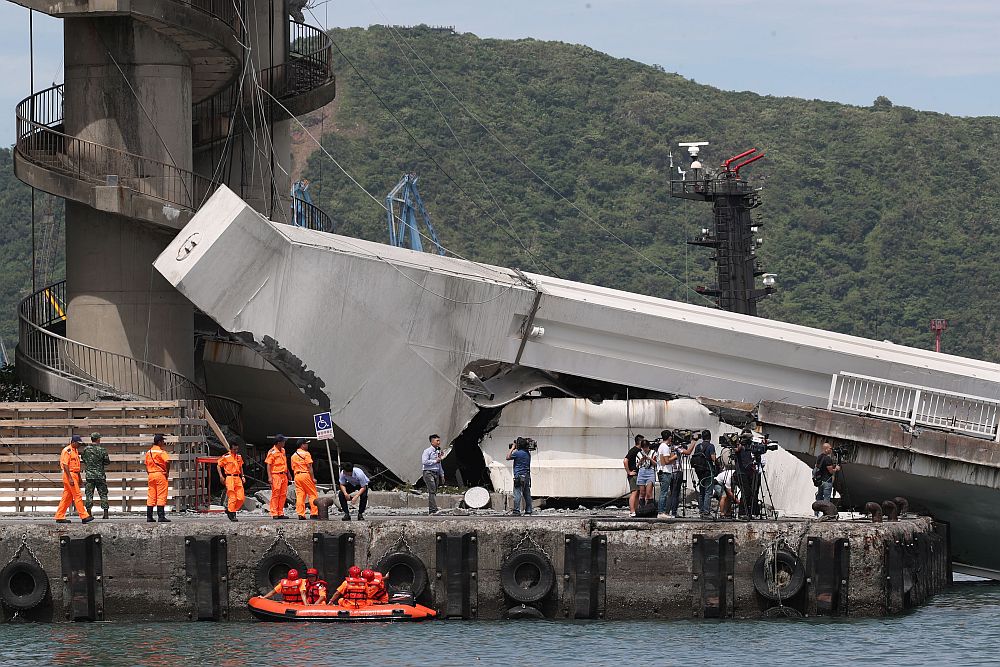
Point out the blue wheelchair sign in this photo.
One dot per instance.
(324, 426)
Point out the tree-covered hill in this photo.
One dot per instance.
(15, 245)
(875, 219)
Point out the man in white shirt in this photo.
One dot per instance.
(433, 471)
(353, 484)
(723, 490)
(665, 458)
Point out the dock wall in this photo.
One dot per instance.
(487, 568)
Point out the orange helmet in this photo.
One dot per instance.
(368, 575)
(312, 572)
(293, 574)
(355, 571)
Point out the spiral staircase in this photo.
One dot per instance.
(152, 192)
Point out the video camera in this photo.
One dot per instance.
(525, 443)
(747, 441)
(683, 435)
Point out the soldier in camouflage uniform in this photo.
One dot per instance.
(94, 458)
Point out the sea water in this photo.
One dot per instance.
(958, 627)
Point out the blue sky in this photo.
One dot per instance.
(930, 55)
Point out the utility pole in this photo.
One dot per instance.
(938, 327)
(733, 232)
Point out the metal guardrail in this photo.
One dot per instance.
(708, 187)
(39, 142)
(915, 405)
(309, 66)
(112, 374)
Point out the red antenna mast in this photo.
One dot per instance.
(938, 327)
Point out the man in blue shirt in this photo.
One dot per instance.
(432, 471)
(521, 457)
(353, 483)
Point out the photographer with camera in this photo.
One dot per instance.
(823, 473)
(705, 466)
(665, 458)
(521, 457)
(632, 473)
(747, 475)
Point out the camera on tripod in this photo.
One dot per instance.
(747, 441)
(682, 435)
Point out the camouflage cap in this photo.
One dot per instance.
(94, 437)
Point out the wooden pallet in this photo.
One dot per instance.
(32, 435)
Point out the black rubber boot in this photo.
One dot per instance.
(105, 514)
(161, 515)
(231, 515)
(149, 514)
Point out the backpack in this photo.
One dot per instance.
(701, 464)
(817, 475)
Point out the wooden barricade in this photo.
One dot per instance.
(32, 435)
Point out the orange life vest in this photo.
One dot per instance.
(356, 590)
(313, 591)
(376, 590)
(291, 590)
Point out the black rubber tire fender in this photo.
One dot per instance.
(791, 576)
(782, 612)
(527, 575)
(404, 572)
(23, 585)
(272, 569)
(522, 612)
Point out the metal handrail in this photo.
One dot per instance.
(115, 374)
(39, 142)
(916, 405)
(310, 66)
(310, 216)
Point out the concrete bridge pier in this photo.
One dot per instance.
(128, 88)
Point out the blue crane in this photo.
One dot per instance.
(401, 207)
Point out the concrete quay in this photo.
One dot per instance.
(203, 567)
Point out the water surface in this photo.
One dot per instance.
(960, 626)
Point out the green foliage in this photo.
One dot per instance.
(875, 219)
(15, 244)
(13, 390)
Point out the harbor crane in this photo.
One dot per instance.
(401, 207)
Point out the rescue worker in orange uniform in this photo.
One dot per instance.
(375, 585)
(69, 462)
(291, 588)
(353, 593)
(305, 482)
(277, 475)
(231, 475)
(158, 468)
(315, 587)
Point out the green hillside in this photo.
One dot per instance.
(875, 219)
(15, 244)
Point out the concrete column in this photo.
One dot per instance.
(262, 149)
(141, 105)
(117, 300)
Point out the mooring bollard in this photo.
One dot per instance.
(323, 504)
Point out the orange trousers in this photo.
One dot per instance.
(305, 492)
(71, 496)
(279, 493)
(156, 494)
(234, 493)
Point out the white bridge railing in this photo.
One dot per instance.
(915, 405)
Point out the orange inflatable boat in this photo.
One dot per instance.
(275, 610)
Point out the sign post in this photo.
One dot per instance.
(324, 431)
